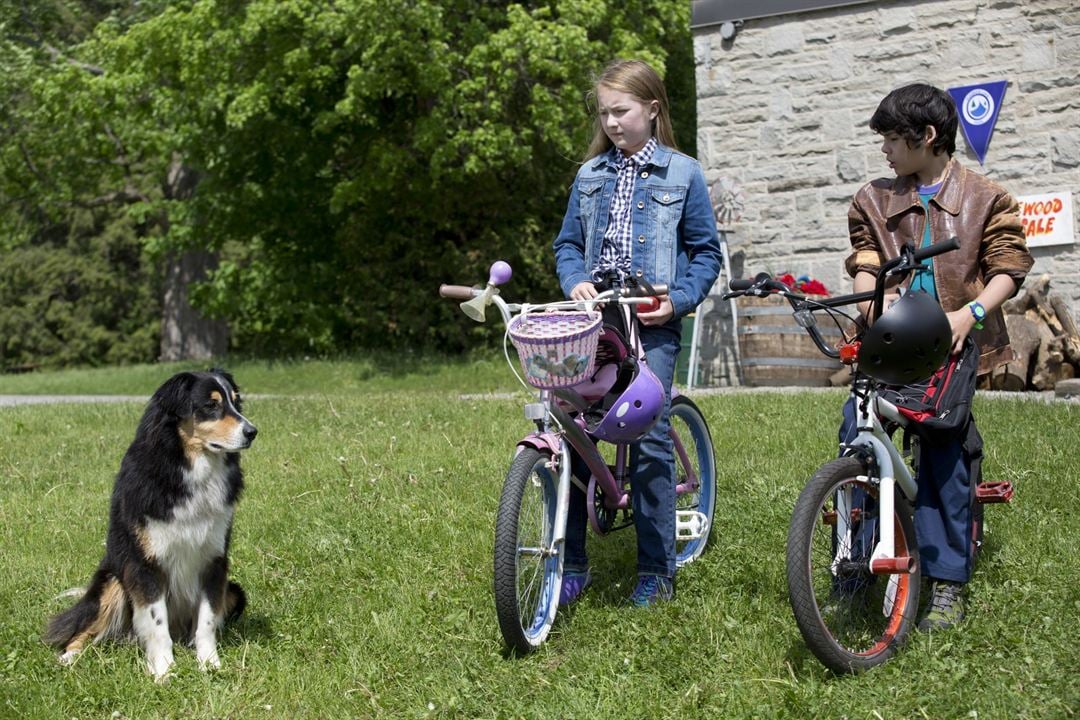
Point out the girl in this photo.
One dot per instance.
(638, 210)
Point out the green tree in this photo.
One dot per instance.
(75, 284)
(350, 155)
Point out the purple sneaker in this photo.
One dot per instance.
(574, 583)
(652, 589)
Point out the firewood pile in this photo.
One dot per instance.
(1043, 336)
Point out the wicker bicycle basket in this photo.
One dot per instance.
(556, 349)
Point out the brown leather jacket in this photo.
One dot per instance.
(886, 213)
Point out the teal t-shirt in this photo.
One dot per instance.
(925, 280)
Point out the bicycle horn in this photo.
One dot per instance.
(500, 272)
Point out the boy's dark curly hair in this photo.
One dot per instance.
(907, 111)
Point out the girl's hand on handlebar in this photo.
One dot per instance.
(661, 315)
(583, 291)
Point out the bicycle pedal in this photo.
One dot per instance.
(1000, 491)
(690, 524)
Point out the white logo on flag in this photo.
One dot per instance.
(978, 107)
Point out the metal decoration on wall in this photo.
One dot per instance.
(728, 200)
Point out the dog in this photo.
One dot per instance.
(165, 570)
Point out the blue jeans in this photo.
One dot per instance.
(943, 504)
(652, 477)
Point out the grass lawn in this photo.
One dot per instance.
(364, 544)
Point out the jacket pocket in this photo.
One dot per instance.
(665, 213)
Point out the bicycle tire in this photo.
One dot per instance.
(528, 571)
(843, 611)
(690, 431)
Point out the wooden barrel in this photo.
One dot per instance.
(774, 350)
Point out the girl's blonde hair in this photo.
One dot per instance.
(640, 80)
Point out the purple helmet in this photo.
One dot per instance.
(635, 409)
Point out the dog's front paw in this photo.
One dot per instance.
(209, 661)
(159, 663)
(69, 657)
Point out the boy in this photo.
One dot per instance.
(934, 198)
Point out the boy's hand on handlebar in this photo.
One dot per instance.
(661, 315)
(866, 307)
(962, 322)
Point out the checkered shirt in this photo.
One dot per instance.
(618, 243)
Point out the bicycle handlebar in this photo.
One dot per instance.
(457, 292)
(909, 259)
(476, 299)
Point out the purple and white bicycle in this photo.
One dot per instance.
(593, 385)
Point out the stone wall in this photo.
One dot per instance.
(784, 107)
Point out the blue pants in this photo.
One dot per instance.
(943, 504)
(652, 479)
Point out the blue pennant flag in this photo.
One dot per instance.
(978, 106)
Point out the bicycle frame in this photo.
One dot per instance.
(870, 408)
(560, 429)
(891, 471)
(534, 506)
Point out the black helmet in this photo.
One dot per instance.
(908, 343)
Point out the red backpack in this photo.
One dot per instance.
(939, 409)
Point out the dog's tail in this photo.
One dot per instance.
(100, 611)
(235, 601)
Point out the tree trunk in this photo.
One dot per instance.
(185, 334)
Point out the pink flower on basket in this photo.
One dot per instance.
(542, 367)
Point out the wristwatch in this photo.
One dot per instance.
(978, 312)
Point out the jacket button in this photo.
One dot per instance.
(640, 205)
(666, 197)
(644, 174)
(639, 273)
(641, 238)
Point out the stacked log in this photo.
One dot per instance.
(1044, 337)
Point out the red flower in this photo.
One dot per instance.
(804, 284)
(813, 287)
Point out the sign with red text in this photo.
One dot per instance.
(1047, 218)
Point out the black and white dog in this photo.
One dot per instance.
(165, 570)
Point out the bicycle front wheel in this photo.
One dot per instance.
(850, 618)
(528, 569)
(695, 472)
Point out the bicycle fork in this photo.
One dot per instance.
(891, 471)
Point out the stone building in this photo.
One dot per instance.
(786, 89)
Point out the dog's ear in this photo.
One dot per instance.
(227, 375)
(173, 399)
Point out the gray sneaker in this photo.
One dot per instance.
(946, 606)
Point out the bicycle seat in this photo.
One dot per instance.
(596, 387)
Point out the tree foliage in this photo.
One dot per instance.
(349, 155)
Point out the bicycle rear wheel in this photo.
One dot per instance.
(851, 619)
(695, 473)
(528, 570)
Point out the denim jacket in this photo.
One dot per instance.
(674, 233)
